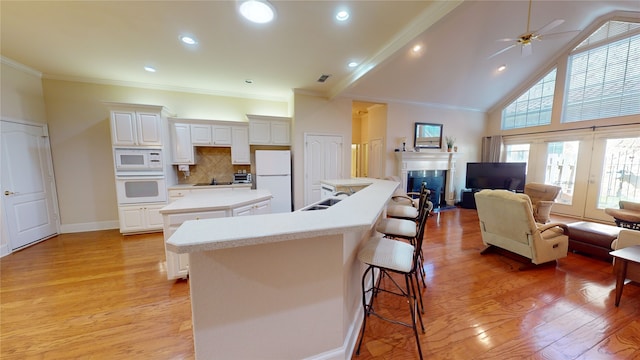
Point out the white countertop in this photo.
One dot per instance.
(192, 186)
(356, 212)
(211, 201)
(348, 182)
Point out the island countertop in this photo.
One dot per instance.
(348, 182)
(215, 201)
(354, 213)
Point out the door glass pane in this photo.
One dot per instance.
(620, 173)
(562, 157)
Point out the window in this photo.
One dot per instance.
(603, 77)
(532, 108)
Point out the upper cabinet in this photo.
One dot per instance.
(269, 130)
(240, 153)
(136, 125)
(188, 133)
(182, 151)
(210, 135)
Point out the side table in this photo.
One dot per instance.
(623, 256)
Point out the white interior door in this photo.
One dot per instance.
(28, 189)
(377, 159)
(322, 160)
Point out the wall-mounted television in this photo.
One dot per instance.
(496, 175)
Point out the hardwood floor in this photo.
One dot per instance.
(101, 295)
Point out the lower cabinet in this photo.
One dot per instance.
(140, 218)
(263, 207)
(178, 264)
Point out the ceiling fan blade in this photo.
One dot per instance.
(501, 51)
(558, 34)
(527, 49)
(506, 40)
(545, 29)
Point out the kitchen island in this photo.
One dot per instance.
(280, 286)
(202, 204)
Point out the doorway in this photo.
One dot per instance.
(595, 169)
(29, 205)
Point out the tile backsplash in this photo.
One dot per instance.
(212, 162)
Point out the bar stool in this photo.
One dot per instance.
(390, 256)
(406, 227)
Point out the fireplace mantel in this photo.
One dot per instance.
(409, 161)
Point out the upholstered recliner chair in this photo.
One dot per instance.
(628, 238)
(628, 216)
(507, 222)
(542, 198)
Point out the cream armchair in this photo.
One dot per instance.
(542, 198)
(507, 222)
(628, 238)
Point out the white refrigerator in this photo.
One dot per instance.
(273, 173)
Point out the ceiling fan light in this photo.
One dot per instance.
(502, 68)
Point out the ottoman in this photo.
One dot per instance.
(592, 238)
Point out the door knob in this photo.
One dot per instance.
(7, 192)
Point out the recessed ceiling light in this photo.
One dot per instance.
(353, 64)
(257, 11)
(502, 68)
(188, 40)
(416, 48)
(342, 15)
(150, 69)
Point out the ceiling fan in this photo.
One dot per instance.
(526, 40)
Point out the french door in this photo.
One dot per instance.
(595, 169)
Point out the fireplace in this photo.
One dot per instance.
(436, 168)
(434, 181)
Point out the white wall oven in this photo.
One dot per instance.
(140, 161)
(141, 189)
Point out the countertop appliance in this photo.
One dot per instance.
(242, 178)
(273, 173)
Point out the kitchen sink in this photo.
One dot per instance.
(322, 205)
(215, 183)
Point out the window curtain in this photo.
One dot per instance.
(491, 148)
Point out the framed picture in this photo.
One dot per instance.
(428, 136)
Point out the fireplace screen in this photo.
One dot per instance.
(435, 181)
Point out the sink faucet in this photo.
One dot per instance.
(342, 193)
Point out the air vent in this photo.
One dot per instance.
(323, 78)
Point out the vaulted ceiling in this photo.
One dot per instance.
(111, 42)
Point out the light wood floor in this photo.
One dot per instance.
(101, 295)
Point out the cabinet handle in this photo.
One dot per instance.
(197, 217)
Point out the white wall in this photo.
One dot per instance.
(317, 115)
(468, 127)
(21, 100)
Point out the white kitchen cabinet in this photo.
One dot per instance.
(177, 194)
(136, 128)
(240, 153)
(140, 218)
(182, 150)
(178, 264)
(263, 207)
(210, 135)
(269, 130)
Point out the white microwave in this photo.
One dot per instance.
(141, 189)
(138, 160)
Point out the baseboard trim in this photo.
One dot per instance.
(93, 226)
